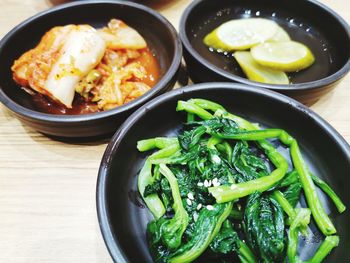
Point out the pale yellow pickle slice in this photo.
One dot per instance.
(241, 34)
(287, 56)
(259, 73)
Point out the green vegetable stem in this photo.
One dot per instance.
(293, 178)
(245, 254)
(329, 191)
(326, 247)
(290, 211)
(302, 217)
(173, 229)
(158, 142)
(145, 178)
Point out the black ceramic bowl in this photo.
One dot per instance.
(121, 213)
(307, 21)
(158, 32)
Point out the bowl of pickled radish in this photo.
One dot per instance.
(300, 49)
(80, 69)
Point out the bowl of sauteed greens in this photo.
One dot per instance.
(270, 44)
(221, 172)
(80, 69)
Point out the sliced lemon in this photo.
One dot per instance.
(287, 56)
(241, 34)
(256, 72)
(280, 36)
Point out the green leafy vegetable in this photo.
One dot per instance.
(320, 216)
(292, 193)
(221, 191)
(264, 227)
(247, 164)
(236, 215)
(293, 177)
(326, 247)
(302, 217)
(226, 240)
(290, 211)
(329, 191)
(206, 228)
(152, 201)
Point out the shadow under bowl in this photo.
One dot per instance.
(122, 214)
(309, 22)
(158, 32)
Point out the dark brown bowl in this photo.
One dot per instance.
(122, 214)
(158, 32)
(307, 21)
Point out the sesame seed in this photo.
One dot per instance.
(199, 206)
(206, 183)
(195, 217)
(200, 184)
(216, 182)
(233, 186)
(216, 159)
(189, 202)
(210, 207)
(190, 196)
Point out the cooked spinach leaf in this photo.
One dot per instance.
(264, 227)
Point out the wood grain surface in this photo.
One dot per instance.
(47, 187)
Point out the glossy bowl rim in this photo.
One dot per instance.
(112, 244)
(290, 87)
(162, 83)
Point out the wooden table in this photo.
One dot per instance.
(47, 187)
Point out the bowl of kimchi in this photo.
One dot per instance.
(80, 69)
